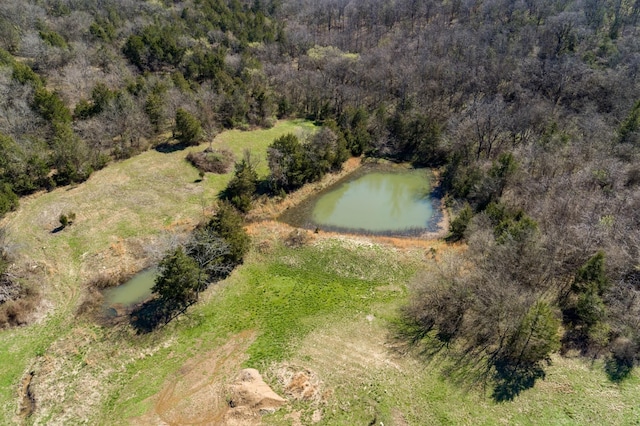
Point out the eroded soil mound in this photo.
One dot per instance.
(301, 384)
(249, 398)
(208, 390)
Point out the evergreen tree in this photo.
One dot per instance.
(242, 186)
(228, 224)
(8, 200)
(188, 129)
(458, 226)
(177, 283)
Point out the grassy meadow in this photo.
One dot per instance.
(325, 308)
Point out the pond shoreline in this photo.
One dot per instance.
(377, 199)
(271, 210)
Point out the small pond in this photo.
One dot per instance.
(137, 289)
(378, 199)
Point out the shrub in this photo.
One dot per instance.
(8, 199)
(67, 219)
(211, 160)
(297, 238)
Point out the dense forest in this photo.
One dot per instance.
(530, 109)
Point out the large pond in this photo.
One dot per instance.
(135, 290)
(388, 200)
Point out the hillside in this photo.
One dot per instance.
(528, 113)
(325, 311)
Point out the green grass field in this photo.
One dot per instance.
(326, 307)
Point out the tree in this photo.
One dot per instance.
(583, 307)
(326, 152)
(458, 226)
(8, 200)
(50, 106)
(519, 362)
(293, 163)
(177, 284)
(154, 107)
(69, 156)
(228, 224)
(628, 132)
(154, 48)
(188, 129)
(242, 186)
(537, 336)
(286, 162)
(210, 251)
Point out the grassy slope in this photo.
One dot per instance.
(136, 198)
(325, 307)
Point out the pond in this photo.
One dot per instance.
(137, 289)
(378, 199)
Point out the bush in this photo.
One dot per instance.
(297, 238)
(211, 160)
(15, 312)
(66, 219)
(8, 200)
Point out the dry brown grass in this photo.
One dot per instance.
(271, 208)
(212, 160)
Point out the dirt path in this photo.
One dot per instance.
(195, 393)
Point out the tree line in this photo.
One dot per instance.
(210, 254)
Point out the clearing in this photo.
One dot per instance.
(314, 318)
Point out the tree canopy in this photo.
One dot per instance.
(177, 283)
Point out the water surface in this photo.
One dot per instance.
(136, 290)
(377, 200)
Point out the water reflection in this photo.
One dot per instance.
(377, 202)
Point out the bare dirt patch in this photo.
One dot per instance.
(249, 398)
(209, 390)
(301, 384)
(28, 404)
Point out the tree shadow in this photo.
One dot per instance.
(148, 316)
(265, 187)
(466, 366)
(169, 147)
(617, 370)
(58, 229)
(510, 381)
(153, 314)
